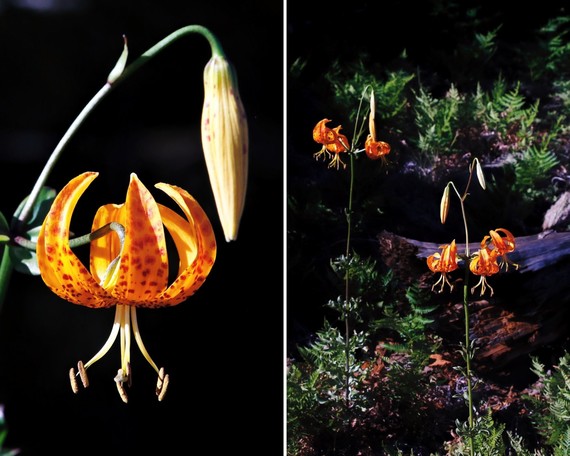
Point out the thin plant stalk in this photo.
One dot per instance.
(352, 153)
(346, 280)
(467, 351)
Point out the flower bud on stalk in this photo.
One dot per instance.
(225, 142)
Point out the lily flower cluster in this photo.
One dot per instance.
(335, 143)
(486, 261)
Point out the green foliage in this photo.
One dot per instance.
(316, 386)
(553, 53)
(531, 167)
(23, 257)
(551, 409)
(3, 435)
(488, 438)
(507, 113)
(410, 325)
(485, 45)
(437, 120)
(349, 83)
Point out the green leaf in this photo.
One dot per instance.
(24, 260)
(40, 209)
(4, 227)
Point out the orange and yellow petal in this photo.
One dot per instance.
(144, 263)
(60, 268)
(376, 149)
(322, 134)
(195, 266)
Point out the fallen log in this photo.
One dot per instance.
(528, 311)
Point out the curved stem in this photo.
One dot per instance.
(153, 51)
(5, 274)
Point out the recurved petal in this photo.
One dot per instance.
(60, 268)
(183, 234)
(192, 276)
(144, 263)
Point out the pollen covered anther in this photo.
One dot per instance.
(82, 374)
(73, 381)
(162, 384)
(120, 380)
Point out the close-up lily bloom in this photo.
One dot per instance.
(128, 270)
(334, 143)
(484, 264)
(225, 141)
(444, 262)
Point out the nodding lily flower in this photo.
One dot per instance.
(503, 241)
(374, 149)
(444, 262)
(225, 142)
(334, 143)
(130, 270)
(484, 264)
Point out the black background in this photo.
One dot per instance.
(222, 347)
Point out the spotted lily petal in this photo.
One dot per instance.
(193, 269)
(60, 268)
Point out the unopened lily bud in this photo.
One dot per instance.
(371, 118)
(444, 205)
(225, 142)
(480, 175)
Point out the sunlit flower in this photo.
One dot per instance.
(444, 262)
(374, 149)
(225, 142)
(503, 241)
(484, 264)
(130, 270)
(334, 143)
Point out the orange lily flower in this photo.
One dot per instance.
(484, 264)
(376, 149)
(503, 241)
(128, 271)
(334, 143)
(444, 262)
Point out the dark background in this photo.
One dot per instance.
(222, 347)
(432, 35)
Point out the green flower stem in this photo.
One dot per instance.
(346, 282)
(467, 342)
(5, 274)
(468, 360)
